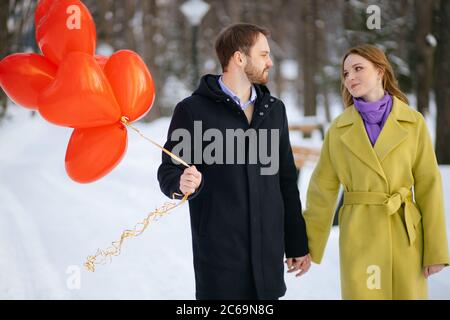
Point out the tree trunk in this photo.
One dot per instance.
(150, 28)
(4, 10)
(321, 57)
(130, 9)
(424, 52)
(442, 87)
(308, 45)
(278, 30)
(105, 22)
(234, 11)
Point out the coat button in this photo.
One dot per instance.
(228, 100)
(266, 106)
(261, 113)
(272, 99)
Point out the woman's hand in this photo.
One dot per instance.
(435, 268)
(301, 264)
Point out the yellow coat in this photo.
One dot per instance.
(386, 233)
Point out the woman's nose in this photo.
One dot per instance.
(351, 76)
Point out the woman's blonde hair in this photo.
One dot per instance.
(378, 58)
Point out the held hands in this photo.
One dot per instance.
(190, 180)
(300, 263)
(429, 270)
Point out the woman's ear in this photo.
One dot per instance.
(380, 74)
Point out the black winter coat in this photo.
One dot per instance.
(242, 222)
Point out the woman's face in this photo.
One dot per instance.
(361, 78)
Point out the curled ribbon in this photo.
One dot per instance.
(102, 256)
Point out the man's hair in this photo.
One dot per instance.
(237, 37)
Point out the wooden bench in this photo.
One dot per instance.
(307, 128)
(303, 154)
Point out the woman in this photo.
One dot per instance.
(392, 228)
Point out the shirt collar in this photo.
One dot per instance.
(235, 98)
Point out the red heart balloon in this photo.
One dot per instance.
(67, 27)
(93, 152)
(23, 76)
(131, 82)
(42, 8)
(80, 96)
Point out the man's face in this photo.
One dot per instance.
(259, 62)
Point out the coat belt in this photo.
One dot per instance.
(391, 203)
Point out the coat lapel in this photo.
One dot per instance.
(356, 139)
(393, 134)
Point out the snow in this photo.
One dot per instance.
(431, 40)
(50, 224)
(400, 64)
(104, 49)
(194, 10)
(173, 91)
(289, 69)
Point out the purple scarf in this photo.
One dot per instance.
(374, 114)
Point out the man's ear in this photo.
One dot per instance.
(239, 58)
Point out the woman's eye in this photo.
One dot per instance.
(345, 75)
(358, 68)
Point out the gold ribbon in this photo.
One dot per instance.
(124, 120)
(391, 203)
(102, 256)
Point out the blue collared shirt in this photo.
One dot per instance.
(235, 98)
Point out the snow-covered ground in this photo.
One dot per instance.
(50, 224)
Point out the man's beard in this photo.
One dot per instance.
(256, 76)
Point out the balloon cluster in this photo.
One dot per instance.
(70, 86)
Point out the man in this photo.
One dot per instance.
(245, 209)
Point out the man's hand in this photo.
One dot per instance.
(190, 180)
(301, 263)
(429, 270)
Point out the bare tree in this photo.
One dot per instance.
(322, 30)
(129, 24)
(308, 51)
(442, 87)
(424, 51)
(16, 32)
(151, 50)
(4, 10)
(104, 22)
(323, 87)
